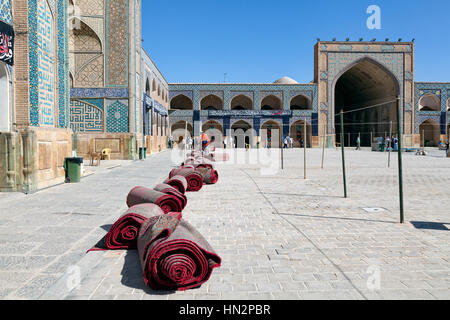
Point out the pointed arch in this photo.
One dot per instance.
(430, 102)
(271, 102)
(363, 83)
(241, 102)
(300, 102)
(181, 102)
(430, 133)
(211, 102)
(271, 134)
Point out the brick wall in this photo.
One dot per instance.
(20, 73)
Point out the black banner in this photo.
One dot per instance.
(6, 43)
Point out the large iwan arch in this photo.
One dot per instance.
(363, 84)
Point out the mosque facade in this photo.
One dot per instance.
(363, 79)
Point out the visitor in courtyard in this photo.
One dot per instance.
(189, 142)
(205, 141)
(285, 143)
(358, 143)
(447, 147)
(291, 142)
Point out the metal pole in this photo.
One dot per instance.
(349, 140)
(282, 156)
(185, 141)
(389, 145)
(400, 163)
(304, 145)
(343, 153)
(144, 113)
(323, 147)
(423, 139)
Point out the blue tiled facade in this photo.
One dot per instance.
(442, 116)
(5, 11)
(49, 106)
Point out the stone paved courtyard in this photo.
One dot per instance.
(280, 236)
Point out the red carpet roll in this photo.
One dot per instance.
(178, 182)
(165, 188)
(194, 179)
(198, 163)
(123, 234)
(174, 256)
(167, 202)
(210, 176)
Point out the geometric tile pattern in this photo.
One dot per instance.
(85, 117)
(91, 74)
(117, 118)
(41, 58)
(63, 72)
(5, 11)
(117, 43)
(46, 65)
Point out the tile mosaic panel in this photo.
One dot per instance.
(85, 117)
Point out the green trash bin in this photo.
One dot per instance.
(142, 153)
(72, 166)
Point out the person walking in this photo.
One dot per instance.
(285, 143)
(358, 143)
(189, 143)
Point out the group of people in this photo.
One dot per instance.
(389, 143)
(288, 142)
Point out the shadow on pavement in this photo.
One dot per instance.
(336, 218)
(430, 225)
(132, 275)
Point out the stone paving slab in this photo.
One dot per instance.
(280, 236)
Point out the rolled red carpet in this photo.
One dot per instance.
(210, 176)
(178, 182)
(167, 189)
(167, 202)
(198, 163)
(124, 232)
(174, 256)
(194, 179)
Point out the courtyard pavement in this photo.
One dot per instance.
(280, 236)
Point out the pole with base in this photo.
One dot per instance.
(400, 163)
(323, 147)
(304, 148)
(389, 145)
(343, 153)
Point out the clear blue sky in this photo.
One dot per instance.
(261, 41)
